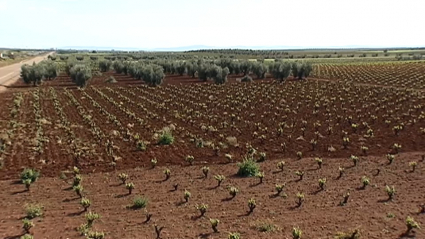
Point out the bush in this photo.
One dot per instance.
(80, 74)
(139, 203)
(50, 70)
(33, 211)
(29, 174)
(260, 70)
(118, 67)
(166, 137)
(152, 74)
(33, 74)
(280, 70)
(301, 69)
(248, 168)
(105, 65)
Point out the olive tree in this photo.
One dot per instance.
(32, 74)
(179, 67)
(80, 74)
(301, 69)
(152, 74)
(51, 69)
(280, 70)
(260, 70)
(105, 65)
(192, 68)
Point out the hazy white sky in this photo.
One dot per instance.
(221, 23)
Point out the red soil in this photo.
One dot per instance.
(262, 107)
(319, 217)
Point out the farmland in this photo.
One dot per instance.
(346, 123)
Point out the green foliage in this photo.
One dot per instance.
(189, 159)
(152, 74)
(390, 191)
(80, 74)
(280, 70)
(187, 195)
(202, 208)
(77, 180)
(32, 74)
(205, 171)
(355, 234)
(91, 217)
(220, 179)
(27, 225)
(252, 204)
(248, 168)
(78, 190)
(233, 235)
(166, 137)
(365, 181)
(50, 70)
(233, 191)
(267, 227)
(129, 187)
(167, 173)
(296, 233)
(85, 203)
(95, 235)
(30, 174)
(33, 210)
(139, 203)
(105, 65)
(123, 177)
(214, 224)
(119, 67)
(411, 224)
(260, 70)
(301, 69)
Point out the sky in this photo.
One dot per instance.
(150, 24)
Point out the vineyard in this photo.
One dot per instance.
(394, 74)
(339, 152)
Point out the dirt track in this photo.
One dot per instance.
(9, 74)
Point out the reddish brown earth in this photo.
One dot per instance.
(319, 217)
(262, 107)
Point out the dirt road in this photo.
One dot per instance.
(9, 74)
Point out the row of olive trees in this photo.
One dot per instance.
(152, 74)
(45, 70)
(298, 69)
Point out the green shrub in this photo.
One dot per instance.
(139, 203)
(32, 74)
(91, 217)
(166, 137)
(33, 210)
(248, 168)
(27, 225)
(30, 174)
(80, 74)
(280, 70)
(85, 203)
(105, 65)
